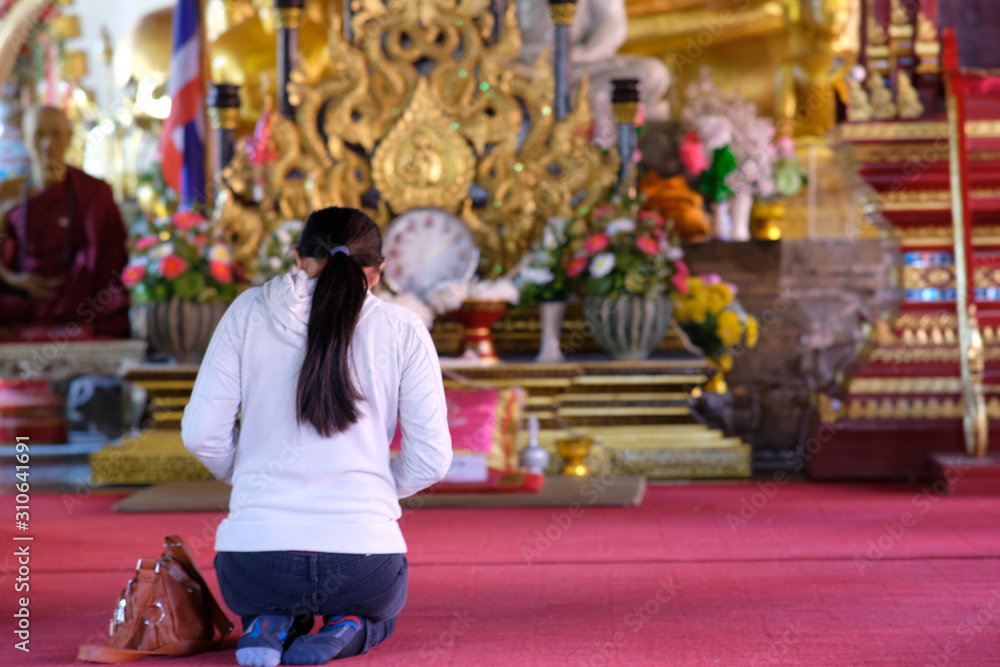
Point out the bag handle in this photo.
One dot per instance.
(178, 549)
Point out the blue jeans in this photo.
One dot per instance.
(323, 584)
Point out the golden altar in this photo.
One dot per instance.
(638, 415)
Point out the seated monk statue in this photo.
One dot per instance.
(62, 243)
(598, 31)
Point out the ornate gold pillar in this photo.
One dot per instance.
(288, 20)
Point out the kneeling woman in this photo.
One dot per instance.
(319, 370)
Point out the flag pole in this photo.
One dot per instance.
(206, 77)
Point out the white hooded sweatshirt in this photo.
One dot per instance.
(293, 489)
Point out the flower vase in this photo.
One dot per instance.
(629, 327)
(477, 316)
(722, 223)
(551, 314)
(739, 213)
(183, 328)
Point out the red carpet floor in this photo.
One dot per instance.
(819, 575)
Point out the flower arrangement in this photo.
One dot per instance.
(181, 256)
(542, 275)
(713, 320)
(628, 252)
(276, 251)
(737, 144)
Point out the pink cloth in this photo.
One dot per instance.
(472, 420)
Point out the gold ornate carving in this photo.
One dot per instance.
(859, 108)
(418, 107)
(910, 131)
(421, 162)
(899, 21)
(883, 108)
(563, 13)
(909, 102)
(927, 47)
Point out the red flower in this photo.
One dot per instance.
(185, 220)
(648, 245)
(577, 266)
(172, 266)
(146, 242)
(680, 277)
(221, 271)
(596, 242)
(132, 274)
(653, 217)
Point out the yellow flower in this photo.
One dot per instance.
(729, 329)
(725, 363)
(719, 296)
(753, 331)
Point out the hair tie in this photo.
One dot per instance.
(341, 248)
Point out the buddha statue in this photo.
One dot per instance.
(597, 34)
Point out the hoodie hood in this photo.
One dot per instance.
(288, 300)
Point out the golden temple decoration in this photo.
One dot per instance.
(909, 101)
(928, 46)
(899, 21)
(883, 108)
(859, 108)
(421, 106)
(563, 13)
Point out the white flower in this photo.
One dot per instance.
(672, 253)
(619, 225)
(162, 250)
(275, 263)
(220, 253)
(448, 296)
(553, 233)
(602, 264)
(715, 132)
(536, 276)
(501, 289)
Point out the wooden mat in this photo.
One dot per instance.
(213, 496)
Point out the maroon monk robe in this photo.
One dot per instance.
(91, 294)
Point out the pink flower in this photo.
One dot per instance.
(185, 220)
(648, 245)
(146, 242)
(577, 266)
(652, 217)
(711, 278)
(786, 147)
(693, 154)
(636, 156)
(681, 267)
(200, 239)
(681, 283)
(603, 211)
(172, 266)
(640, 116)
(132, 274)
(596, 242)
(221, 271)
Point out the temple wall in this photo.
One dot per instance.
(815, 301)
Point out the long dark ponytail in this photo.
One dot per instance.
(327, 396)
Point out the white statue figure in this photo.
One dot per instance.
(599, 30)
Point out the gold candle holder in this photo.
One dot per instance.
(574, 450)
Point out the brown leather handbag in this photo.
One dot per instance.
(166, 609)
